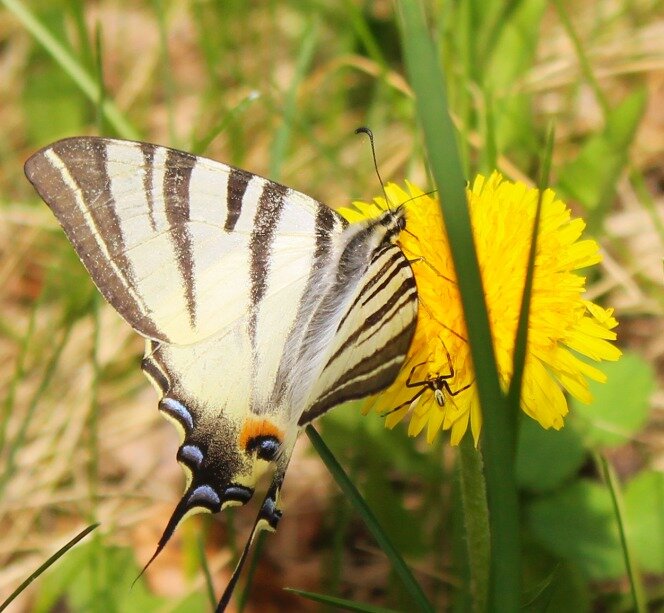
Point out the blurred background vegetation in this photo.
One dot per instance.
(278, 88)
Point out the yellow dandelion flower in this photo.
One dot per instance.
(435, 387)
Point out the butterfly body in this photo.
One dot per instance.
(262, 308)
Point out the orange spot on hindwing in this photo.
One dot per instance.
(260, 435)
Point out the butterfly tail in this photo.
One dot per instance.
(267, 519)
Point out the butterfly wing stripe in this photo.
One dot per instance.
(179, 167)
(397, 258)
(270, 205)
(385, 320)
(370, 375)
(109, 196)
(146, 223)
(154, 371)
(237, 186)
(393, 267)
(391, 325)
(374, 321)
(75, 185)
(296, 280)
(155, 199)
(148, 186)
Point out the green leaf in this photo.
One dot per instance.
(591, 177)
(578, 524)
(547, 458)
(620, 406)
(644, 510)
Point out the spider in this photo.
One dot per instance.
(438, 385)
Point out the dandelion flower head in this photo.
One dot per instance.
(434, 389)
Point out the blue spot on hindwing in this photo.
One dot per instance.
(177, 410)
(191, 454)
(204, 494)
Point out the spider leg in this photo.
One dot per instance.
(449, 375)
(405, 404)
(444, 384)
(410, 383)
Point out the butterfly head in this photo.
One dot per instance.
(394, 221)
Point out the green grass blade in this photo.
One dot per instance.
(356, 18)
(648, 202)
(77, 12)
(582, 57)
(71, 66)
(209, 583)
(521, 339)
(93, 415)
(356, 499)
(52, 560)
(339, 603)
(282, 137)
(635, 582)
(498, 435)
(200, 146)
(99, 66)
(165, 70)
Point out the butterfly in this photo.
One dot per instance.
(261, 307)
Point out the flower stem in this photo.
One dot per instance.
(476, 521)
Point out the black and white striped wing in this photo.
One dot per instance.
(262, 307)
(179, 245)
(372, 336)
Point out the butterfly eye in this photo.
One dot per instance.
(265, 447)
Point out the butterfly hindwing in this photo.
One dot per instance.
(372, 336)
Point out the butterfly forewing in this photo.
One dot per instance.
(176, 243)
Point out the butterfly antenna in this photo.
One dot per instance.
(369, 133)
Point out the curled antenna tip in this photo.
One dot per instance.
(369, 133)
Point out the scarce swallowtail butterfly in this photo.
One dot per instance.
(261, 307)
